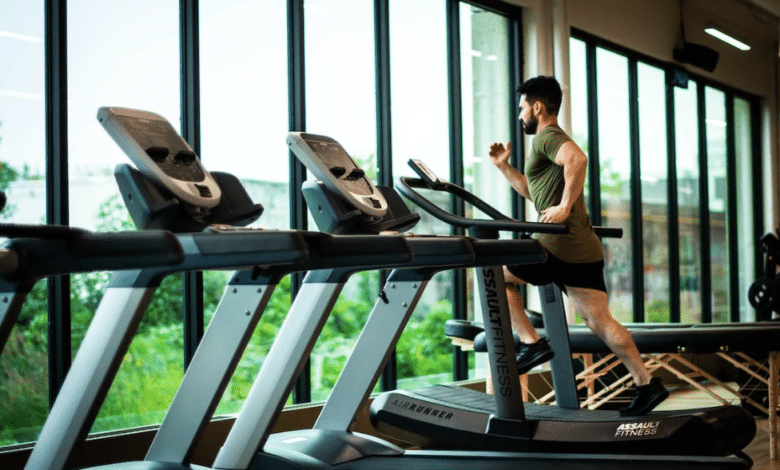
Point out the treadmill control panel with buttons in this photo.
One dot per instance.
(327, 160)
(161, 154)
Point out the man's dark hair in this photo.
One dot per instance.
(547, 90)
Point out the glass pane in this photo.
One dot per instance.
(24, 375)
(418, 30)
(341, 103)
(687, 150)
(489, 110)
(718, 202)
(114, 61)
(653, 167)
(746, 240)
(615, 178)
(243, 59)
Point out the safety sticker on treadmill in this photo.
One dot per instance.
(647, 428)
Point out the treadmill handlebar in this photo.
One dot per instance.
(45, 250)
(406, 186)
(500, 222)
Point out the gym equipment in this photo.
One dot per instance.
(262, 257)
(715, 431)
(331, 444)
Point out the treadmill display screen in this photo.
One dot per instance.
(342, 166)
(162, 144)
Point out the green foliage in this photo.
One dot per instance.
(657, 311)
(423, 348)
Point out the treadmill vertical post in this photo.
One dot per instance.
(498, 335)
(554, 317)
(212, 366)
(500, 343)
(373, 348)
(284, 361)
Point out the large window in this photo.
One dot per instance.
(341, 103)
(114, 61)
(694, 258)
(418, 49)
(490, 109)
(689, 235)
(243, 122)
(615, 178)
(655, 191)
(24, 381)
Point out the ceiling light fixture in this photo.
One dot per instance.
(718, 32)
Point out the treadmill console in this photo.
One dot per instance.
(330, 163)
(162, 155)
(426, 173)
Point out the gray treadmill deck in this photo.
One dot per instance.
(432, 460)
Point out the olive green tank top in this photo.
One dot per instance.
(545, 184)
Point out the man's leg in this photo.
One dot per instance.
(520, 321)
(534, 349)
(593, 306)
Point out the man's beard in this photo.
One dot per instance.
(530, 126)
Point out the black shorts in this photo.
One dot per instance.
(562, 273)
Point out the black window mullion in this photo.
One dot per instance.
(460, 294)
(190, 125)
(637, 241)
(384, 137)
(731, 210)
(297, 122)
(673, 209)
(704, 210)
(516, 71)
(594, 184)
(57, 202)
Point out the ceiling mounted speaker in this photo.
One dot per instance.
(697, 55)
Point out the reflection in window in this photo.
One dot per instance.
(745, 208)
(615, 176)
(116, 71)
(418, 57)
(240, 43)
(687, 151)
(24, 378)
(655, 224)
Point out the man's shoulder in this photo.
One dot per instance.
(550, 139)
(553, 132)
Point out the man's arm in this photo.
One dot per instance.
(575, 167)
(500, 157)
